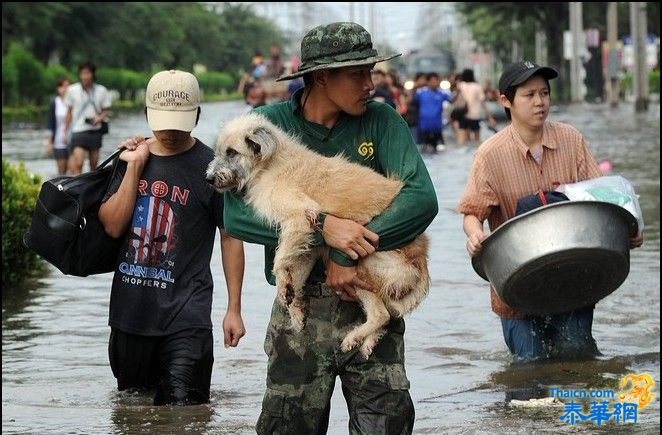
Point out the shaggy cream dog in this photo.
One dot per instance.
(288, 184)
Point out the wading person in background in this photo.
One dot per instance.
(474, 96)
(430, 99)
(161, 297)
(412, 115)
(333, 114)
(57, 112)
(88, 104)
(532, 153)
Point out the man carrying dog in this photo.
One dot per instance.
(167, 213)
(333, 114)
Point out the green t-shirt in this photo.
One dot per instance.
(379, 139)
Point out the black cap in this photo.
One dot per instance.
(519, 72)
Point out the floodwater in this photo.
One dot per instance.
(56, 377)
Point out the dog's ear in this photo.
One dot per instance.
(262, 142)
(254, 146)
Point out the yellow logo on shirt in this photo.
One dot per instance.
(366, 149)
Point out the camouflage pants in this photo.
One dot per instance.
(303, 366)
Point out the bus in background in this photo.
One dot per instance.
(437, 60)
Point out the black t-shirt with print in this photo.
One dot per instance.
(163, 281)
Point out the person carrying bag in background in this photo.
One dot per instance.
(88, 104)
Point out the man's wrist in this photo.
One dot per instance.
(339, 257)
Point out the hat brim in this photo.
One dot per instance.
(546, 72)
(339, 64)
(171, 120)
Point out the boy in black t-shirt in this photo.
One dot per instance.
(167, 213)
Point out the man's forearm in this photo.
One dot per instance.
(115, 214)
(408, 216)
(232, 256)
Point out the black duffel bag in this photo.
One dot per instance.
(65, 228)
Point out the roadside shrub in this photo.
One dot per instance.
(126, 82)
(136, 82)
(111, 78)
(52, 74)
(216, 82)
(627, 85)
(31, 85)
(654, 81)
(19, 194)
(9, 82)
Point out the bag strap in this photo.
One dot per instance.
(80, 113)
(94, 90)
(114, 157)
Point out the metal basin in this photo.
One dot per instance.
(560, 257)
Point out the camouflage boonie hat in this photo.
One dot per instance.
(336, 45)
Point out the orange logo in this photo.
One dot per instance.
(640, 389)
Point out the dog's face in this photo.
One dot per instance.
(242, 148)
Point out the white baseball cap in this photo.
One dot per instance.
(172, 101)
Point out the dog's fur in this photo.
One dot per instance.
(288, 184)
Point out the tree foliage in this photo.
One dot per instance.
(141, 36)
(495, 25)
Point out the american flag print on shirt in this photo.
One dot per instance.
(152, 230)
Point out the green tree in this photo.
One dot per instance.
(142, 36)
(244, 33)
(494, 25)
(36, 26)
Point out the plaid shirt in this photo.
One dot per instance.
(504, 170)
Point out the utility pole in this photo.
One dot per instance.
(515, 47)
(541, 47)
(371, 12)
(612, 70)
(640, 71)
(575, 62)
(351, 11)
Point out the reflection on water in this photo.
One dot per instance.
(595, 373)
(56, 377)
(127, 417)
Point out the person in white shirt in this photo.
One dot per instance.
(88, 104)
(56, 143)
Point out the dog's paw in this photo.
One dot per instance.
(350, 342)
(367, 347)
